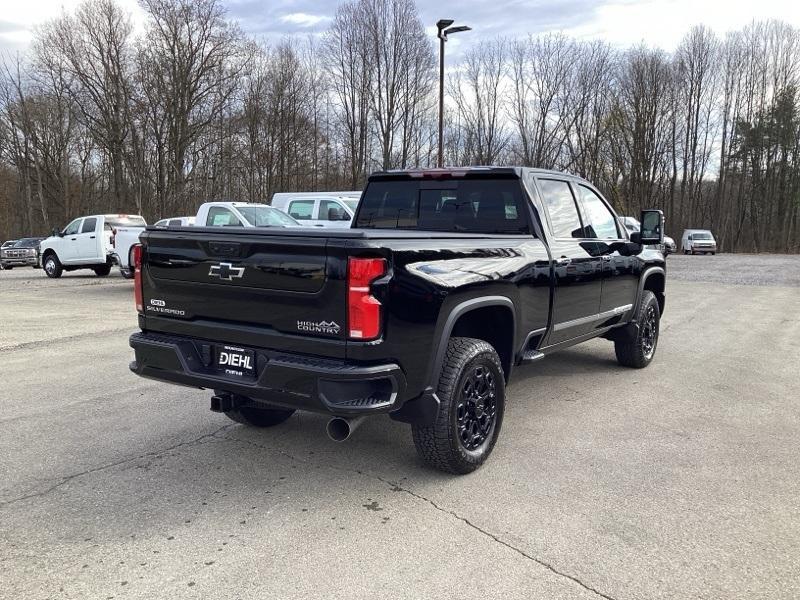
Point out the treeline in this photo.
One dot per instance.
(96, 118)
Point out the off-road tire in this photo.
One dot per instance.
(440, 444)
(127, 273)
(55, 270)
(259, 417)
(639, 351)
(102, 271)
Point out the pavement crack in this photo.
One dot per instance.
(153, 453)
(398, 488)
(545, 564)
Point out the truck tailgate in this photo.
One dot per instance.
(245, 289)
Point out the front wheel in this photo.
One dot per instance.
(52, 266)
(471, 392)
(127, 273)
(638, 352)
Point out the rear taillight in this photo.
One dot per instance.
(363, 309)
(136, 263)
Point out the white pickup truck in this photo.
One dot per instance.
(86, 243)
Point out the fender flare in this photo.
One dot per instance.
(422, 411)
(648, 271)
(459, 310)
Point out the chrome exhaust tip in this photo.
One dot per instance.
(340, 429)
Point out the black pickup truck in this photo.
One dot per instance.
(448, 280)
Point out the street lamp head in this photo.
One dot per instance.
(443, 23)
(456, 29)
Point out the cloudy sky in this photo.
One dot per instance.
(620, 22)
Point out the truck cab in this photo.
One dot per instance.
(319, 211)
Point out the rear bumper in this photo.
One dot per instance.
(335, 387)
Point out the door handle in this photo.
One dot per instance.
(91, 237)
(563, 261)
(73, 239)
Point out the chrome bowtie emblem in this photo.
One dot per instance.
(226, 271)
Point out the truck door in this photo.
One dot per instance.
(87, 242)
(620, 272)
(67, 246)
(577, 264)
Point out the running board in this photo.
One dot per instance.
(530, 356)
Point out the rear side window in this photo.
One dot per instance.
(470, 205)
(175, 223)
(219, 216)
(89, 225)
(302, 210)
(561, 208)
(600, 223)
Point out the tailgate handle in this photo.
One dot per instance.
(224, 248)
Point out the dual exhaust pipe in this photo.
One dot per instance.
(339, 428)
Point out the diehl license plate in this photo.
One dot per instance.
(236, 361)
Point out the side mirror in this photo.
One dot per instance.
(652, 230)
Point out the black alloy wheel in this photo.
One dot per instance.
(476, 412)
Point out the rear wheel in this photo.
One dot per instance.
(102, 271)
(52, 266)
(259, 416)
(471, 392)
(638, 352)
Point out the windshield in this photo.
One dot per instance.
(468, 205)
(266, 216)
(351, 204)
(126, 221)
(27, 243)
(703, 235)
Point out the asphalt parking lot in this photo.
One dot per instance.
(678, 481)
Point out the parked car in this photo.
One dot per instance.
(696, 241)
(318, 211)
(22, 253)
(175, 222)
(447, 282)
(632, 225)
(241, 214)
(85, 244)
(6, 244)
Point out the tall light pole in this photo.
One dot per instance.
(444, 30)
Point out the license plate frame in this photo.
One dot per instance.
(235, 360)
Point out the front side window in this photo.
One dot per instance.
(73, 227)
(468, 205)
(302, 210)
(561, 207)
(89, 225)
(330, 210)
(219, 216)
(600, 222)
